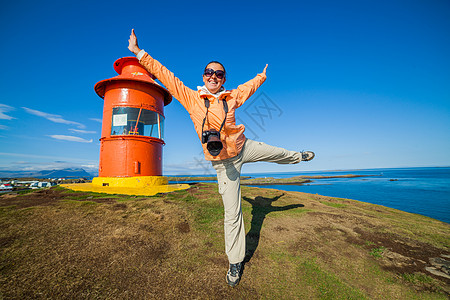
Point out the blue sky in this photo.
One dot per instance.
(364, 84)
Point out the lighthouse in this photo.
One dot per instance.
(132, 140)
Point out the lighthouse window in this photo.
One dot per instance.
(137, 121)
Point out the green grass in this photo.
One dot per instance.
(24, 192)
(321, 283)
(328, 285)
(208, 215)
(333, 204)
(86, 195)
(5, 210)
(295, 212)
(417, 277)
(377, 252)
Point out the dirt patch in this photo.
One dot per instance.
(203, 191)
(51, 196)
(302, 245)
(8, 240)
(44, 197)
(37, 198)
(100, 200)
(184, 227)
(219, 261)
(148, 250)
(329, 229)
(280, 228)
(401, 255)
(119, 206)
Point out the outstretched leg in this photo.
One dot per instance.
(258, 151)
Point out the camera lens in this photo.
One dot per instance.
(214, 144)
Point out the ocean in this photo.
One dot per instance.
(424, 191)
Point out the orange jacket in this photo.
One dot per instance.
(232, 135)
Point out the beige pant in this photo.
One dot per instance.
(228, 177)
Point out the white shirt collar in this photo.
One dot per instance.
(204, 91)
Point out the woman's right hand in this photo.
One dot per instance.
(133, 44)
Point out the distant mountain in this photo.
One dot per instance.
(63, 173)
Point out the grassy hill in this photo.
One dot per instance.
(61, 244)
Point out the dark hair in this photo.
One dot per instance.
(216, 62)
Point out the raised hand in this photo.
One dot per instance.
(265, 68)
(133, 44)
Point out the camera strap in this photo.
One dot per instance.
(225, 108)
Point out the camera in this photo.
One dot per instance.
(213, 143)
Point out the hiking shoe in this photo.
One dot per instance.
(234, 274)
(307, 155)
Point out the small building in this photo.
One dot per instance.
(6, 187)
(42, 184)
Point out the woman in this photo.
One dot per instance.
(212, 110)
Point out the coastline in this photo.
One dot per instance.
(247, 180)
(420, 190)
(295, 180)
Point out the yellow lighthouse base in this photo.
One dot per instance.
(139, 185)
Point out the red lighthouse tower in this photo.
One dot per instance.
(133, 122)
(132, 133)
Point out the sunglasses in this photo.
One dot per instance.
(219, 73)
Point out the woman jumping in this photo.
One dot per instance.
(212, 110)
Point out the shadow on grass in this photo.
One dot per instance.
(261, 207)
